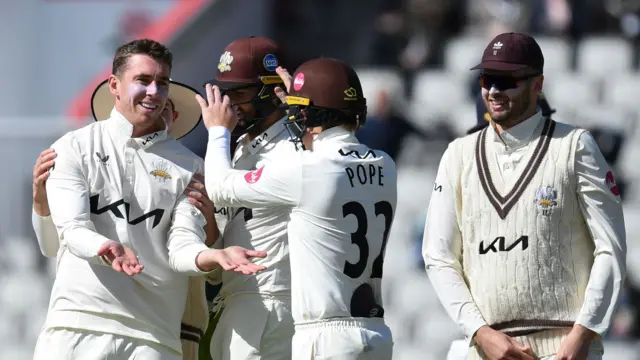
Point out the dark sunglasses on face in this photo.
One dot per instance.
(502, 82)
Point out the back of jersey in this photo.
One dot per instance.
(339, 231)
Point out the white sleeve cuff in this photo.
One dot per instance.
(472, 329)
(184, 260)
(217, 132)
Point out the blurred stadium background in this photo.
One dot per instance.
(413, 57)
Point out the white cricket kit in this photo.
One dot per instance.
(108, 186)
(525, 233)
(342, 198)
(256, 318)
(194, 320)
(260, 228)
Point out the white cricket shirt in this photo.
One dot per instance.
(107, 185)
(262, 228)
(598, 202)
(342, 198)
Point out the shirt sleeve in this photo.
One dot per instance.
(68, 194)
(273, 184)
(46, 234)
(601, 207)
(442, 253)
(186, 237)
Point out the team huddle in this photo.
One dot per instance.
(524, 240)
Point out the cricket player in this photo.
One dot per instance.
(342, 198)
(194, 320)
(254, 317)
(524, 238)
(130, 236)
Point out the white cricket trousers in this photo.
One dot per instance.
(71, 344)
(253, 327)
(344, 339)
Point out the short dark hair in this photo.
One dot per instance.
(148, 47)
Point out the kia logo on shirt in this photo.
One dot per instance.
(252, 177)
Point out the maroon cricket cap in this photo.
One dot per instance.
(327, 83)
(248, 61)
(512, 52)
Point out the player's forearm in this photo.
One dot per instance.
(217, 161)
(81, 240)
(46, 234)
(456, 298)
(602, 294)
(272, 185)
(184, 253)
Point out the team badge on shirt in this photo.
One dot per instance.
(611, 183)
(546, 199)
(253, 176)
(160, 171)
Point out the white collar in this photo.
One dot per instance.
(520, 134)
(335, 134)
(122, 129)
(259, 142)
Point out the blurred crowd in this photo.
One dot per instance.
(411, 36)
(408, 36)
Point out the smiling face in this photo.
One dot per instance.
(141, 91)
(241, 100)
(510, 99)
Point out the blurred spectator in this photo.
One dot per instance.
(492, 17)
(411, 34)
(387, 126)
(132, 22)
(550, 17)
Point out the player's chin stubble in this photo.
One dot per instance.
(517, 107)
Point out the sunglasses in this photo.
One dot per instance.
(503, 82)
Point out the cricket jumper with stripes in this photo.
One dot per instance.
(527, 252)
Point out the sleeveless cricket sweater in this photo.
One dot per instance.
(527, 252)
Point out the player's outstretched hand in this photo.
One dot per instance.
(498, 346)
(40, 175)
(121, 258)
(199, 198)
(217, 109)
(287, 79)
(232, 258)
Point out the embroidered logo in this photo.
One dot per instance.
(611, 183)
(497, 46)
(103, 159)
(161, 171)
(149, 138)
(225, 62)
(351, 94)
(252, 177)
(270, 62)
(546, 199)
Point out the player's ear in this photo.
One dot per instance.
(113, 85)
(538, 83)
(176, 115)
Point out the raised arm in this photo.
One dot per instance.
(43, 226)
(268, 185)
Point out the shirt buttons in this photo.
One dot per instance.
(507, 166)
